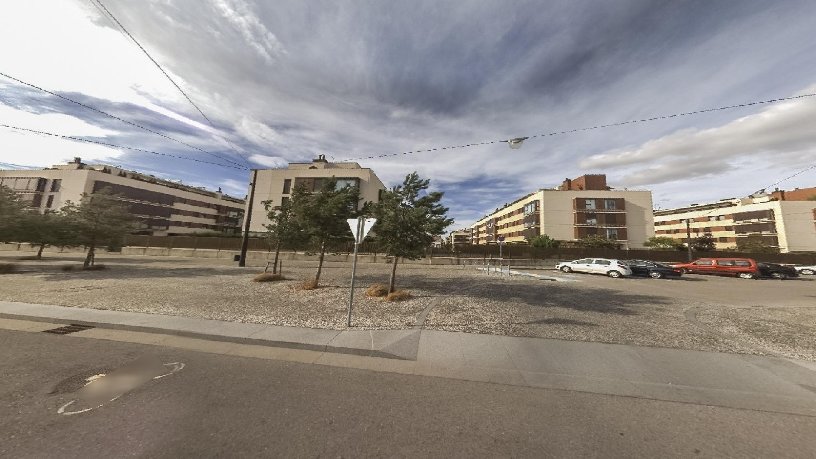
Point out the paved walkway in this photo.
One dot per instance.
(738, 381)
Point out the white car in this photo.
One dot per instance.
(609, 267)
(807, 270)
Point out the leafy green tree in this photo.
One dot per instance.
(321, 216)
(99, 219)
(408, 219)
(662, 242)
(282, 228)
(755, 244)
(544, 241)
(595, 241)
(704, 243)
(12, 211)
(48, 229)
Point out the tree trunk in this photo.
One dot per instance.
(393, 278)
(89, 259)
(40, 251)
(320, 262)
(277, 253)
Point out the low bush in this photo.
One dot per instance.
(267, 277)
(8, 268)
(398, 295)
(307, 285)
(377, 290)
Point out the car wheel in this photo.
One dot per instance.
(746, 276)
(808, 272)
(780, 276)
(614, 274)
(566, 269)
(656, 275)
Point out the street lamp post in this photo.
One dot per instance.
(688, 239)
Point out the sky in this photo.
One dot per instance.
(288, 80)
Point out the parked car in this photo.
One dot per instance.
(806, 270)
(745, 268)
(776, 271)
(652, 269)
(611, 268)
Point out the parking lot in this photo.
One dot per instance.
(693, 312)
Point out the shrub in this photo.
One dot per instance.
(267, 277)
(310, 284)
(7, 268)
(398, 295)
(377, 290)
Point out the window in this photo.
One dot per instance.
(591, 219)
(725, 263)
(287, 186)
(284, 200)
(704, 263)
(347, 182)
(742, 263)
(50, 201)
(602, 262)
(55, 185)
(583, 261)
(589, 204)
(612, 233)
(609, 204)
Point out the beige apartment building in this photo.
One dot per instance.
(162, 207)
(460, 237)
(276, 185)
(783, 219)
(580, 207)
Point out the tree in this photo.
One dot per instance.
(662, 242)
(408, 220)
(50, 228)
(704, 243)
(321, 216)
(595, 241)
(12, 211)
(282, 228)
(755, 244)
(544, 241)
(99, 219)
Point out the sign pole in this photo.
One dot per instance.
(357, 238)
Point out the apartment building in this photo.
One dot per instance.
(459, 237)
(580, 207)
(782, 219)
(276, 185)
(161, 207)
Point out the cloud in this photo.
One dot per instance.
(782, 131)
(240, 15)
(268, 161)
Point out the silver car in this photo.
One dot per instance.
(607, 266)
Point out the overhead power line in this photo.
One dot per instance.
(98, 4)
(98, 142)
(89, 107)
(517, 140)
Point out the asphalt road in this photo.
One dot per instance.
(220, 406)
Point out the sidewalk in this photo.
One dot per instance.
(731, 380)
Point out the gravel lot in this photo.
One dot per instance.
(695, 312)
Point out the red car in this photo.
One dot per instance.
(745, 268)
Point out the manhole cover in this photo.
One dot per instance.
(73, 328)
(94, 388)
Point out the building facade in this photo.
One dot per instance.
(161, 207)
(580, 207)
(782, 219)
(275, 186)
(459, 237)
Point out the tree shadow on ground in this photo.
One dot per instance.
(532, 294)
(54, 273)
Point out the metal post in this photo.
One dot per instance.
(360, 221)
(688, 239)
(248, 219)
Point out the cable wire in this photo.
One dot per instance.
(89, 107)
(588, 128)
(98, 4)
(97, 142)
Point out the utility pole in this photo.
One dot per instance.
(688, 239)
(248, 219)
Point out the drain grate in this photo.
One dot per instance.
(73, 328)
